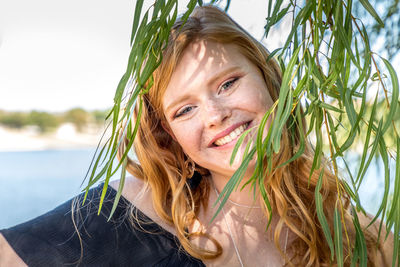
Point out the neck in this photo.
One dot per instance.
(242, 196)
(248, 213)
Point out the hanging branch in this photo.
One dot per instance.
(150, 33)
(328, 68)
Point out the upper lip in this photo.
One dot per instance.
(226, 132)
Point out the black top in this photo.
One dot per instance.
(51, 239)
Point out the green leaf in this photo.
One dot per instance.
(239, 144)
(372, 11)
(341, 35)
(299, 127)
(367, 140)
(395, 95)
(321, 215)
(136, 17)
(330, 107)
(338, 237)
(232, 183)
(284, 102)
(119, 192)
(360, 247)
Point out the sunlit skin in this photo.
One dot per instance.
(213, 91)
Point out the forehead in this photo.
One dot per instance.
(199, 63)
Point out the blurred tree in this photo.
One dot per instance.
(13, 119)
(78, 116)
(44, 120)
(100, 116)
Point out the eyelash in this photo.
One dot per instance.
(230, 83)
(182, 112)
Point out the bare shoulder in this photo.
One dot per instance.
(386, 240)
(139, 194)
(8, 257)
(133, 190)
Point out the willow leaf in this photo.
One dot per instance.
(318, 146)
(338, 237)
(368, 136)
(396, 193)
(272, 18)
(382, 207)
(233, 182)
(272, 54)
(372, 11)
(260, 133)
(190, 6)
(285, 101)
(300, 87)
(333, 134)
(360, 247)
(395, 95)
(384, 202)
(167, 9)
(341, 35)
(228, 3)
(300, 151)
(103, 192)
(239, 144)
(394, 220)
(131, 139)
(366, 70)
(321, 215)
(303, 14)
(330, 107)
(136, 17)
(159, 5)
(119, 192)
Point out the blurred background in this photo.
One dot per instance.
(60, 62)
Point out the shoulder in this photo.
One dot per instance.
(8, 257)
(138, 193)
(134, 189)
(85, 236)
(385, 250)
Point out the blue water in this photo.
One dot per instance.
(32, 183)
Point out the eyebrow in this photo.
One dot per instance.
(209, 83)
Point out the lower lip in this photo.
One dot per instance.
(233, 142)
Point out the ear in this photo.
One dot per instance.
(166, 128)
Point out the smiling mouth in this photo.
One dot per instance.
(232, 135)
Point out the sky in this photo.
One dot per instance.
(56, 55)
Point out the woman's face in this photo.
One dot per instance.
(214, 95)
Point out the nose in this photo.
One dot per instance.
(215, 112)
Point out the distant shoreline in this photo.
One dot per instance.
(64, 137)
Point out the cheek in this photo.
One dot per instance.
(258, 101)
(256, 95)
(265, 101)
(262, 93)
(188, 137)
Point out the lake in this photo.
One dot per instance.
(34, 182)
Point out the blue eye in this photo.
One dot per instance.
(228, 84)
(183, 111)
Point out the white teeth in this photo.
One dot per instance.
(237, 131)
(231, 136)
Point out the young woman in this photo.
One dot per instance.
(214, 83)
